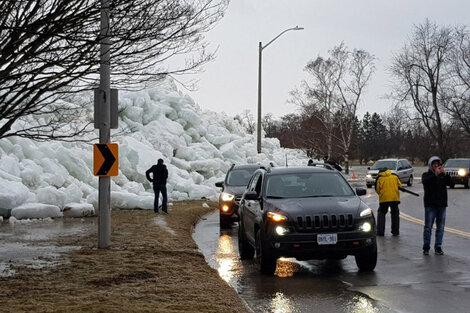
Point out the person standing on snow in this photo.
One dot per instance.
(159, 177)
(435, 182)
(386, 186)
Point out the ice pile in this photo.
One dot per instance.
(51, 179)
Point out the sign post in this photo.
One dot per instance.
(104, 188)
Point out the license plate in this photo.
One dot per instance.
(327, 239)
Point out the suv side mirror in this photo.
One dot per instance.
(251, 195)
(368, 167)
(360, 191)
(400, 168)
(219, 184)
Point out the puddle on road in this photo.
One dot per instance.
(16, 255)
(31, 243)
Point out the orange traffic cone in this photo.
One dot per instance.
(353, 176)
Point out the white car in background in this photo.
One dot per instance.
(401, 167)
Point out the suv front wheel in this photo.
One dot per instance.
(367, 260)
(264, 256)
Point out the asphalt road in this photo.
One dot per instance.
(403, 281)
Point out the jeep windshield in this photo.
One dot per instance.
(240, 177)
(307, 185)
(391, 165)
(457, 163)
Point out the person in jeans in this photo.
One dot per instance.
(386, 186)
(435, 182)
(159, 177)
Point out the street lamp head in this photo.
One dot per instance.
(298, 28)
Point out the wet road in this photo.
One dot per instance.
(403, 281)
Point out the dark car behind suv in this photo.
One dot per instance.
(458, 170)
(233, 186)
(306, 213)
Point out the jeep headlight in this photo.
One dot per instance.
(227, 196)
(366, 212)
(366, 227)
(369, 176)
(462, 172)
(281, 231)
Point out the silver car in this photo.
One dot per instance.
(401, 167)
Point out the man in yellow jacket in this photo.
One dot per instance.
(387, 185)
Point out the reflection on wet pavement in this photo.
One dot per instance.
(226, 261)
(361, 304)
(281, 304)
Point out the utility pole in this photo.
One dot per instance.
(104, 188)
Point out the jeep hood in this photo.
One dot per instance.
(322, 205)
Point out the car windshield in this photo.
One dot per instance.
(391, 165)
(457, 163)
(306, 185)
(240, 177)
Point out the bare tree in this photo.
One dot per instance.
(249, 121)
(319, 96)
(457, 96)
(49, 51)
(359, 67)
(333, 94)
(421, 69)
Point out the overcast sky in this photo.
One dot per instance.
(229, 84)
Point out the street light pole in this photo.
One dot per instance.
(260, 50)
(258, 125)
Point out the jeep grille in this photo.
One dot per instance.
(237, 200)
(324, 222)
(452, 173)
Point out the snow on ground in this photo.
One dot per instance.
(53, 179)
(162, 224)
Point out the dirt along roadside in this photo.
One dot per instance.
(153, 265)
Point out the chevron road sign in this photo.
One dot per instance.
(105, 159)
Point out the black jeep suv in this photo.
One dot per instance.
(233, 186)
(306, 213)
(458, 170)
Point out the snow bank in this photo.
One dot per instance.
(36, 210)
(42, 179)
(78, 210)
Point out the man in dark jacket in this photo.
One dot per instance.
(333, 163)
(159, 177)
(435, 182)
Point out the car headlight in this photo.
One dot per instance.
(462, 172)
(281, 231)
(369, 176)
(275, 217)
(366, 227)
(366, 212)
(227, 196)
